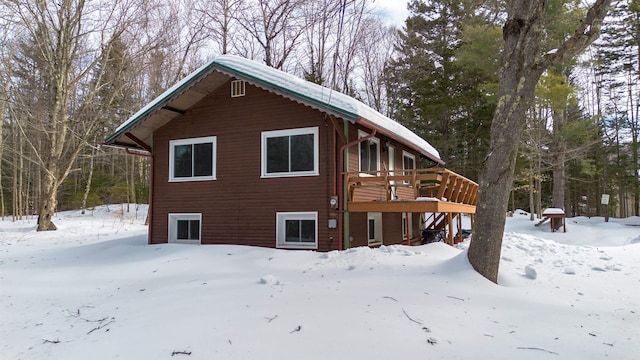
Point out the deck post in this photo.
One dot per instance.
(450, 223)
(343, 214)
(459, 216)
(406, 227)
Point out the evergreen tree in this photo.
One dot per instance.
(619, 80)
(433, 91)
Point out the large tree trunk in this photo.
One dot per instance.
(48, 205)
(522, 40)
(559, 148)
(520, 69)
(3, 106)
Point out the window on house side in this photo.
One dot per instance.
(297, 230)
(290, 152)
(408, 164)
(192, 159)
(185, 228)
(369, 153)
(372, 229)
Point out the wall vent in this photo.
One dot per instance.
(237, 88)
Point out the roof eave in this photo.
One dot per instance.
(404, 141)
(161, 101)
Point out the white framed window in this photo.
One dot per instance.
(392, 168)
(293, 152)
(185, 228)
(192, 159)
(369, 151)
(371, 231)
(297, 230)
(374, 228)
(237, 88)
(408, 164)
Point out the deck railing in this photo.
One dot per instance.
(389, 185)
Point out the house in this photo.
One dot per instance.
(246, 154)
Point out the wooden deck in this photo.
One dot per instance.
(435, 190)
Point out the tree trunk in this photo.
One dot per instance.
(520, 69)
(48, 206)
(132, 185)
(14, 192)
(559, 156)
(3, 106)
(522, 41)
(87, 189)
(532, 199)
(495, 185)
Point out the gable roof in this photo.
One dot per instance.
(177, 99)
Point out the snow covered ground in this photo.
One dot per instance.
(95, 290)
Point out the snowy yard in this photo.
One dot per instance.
(95, 290)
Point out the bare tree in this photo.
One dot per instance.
(4, 95)
(522, 65)
(220, 17)
(374, 53)
(276, 25)
(67, 41)
(350, 37)
(322, 18)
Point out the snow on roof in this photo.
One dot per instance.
(553, 211)
(324, 96)
(306, 91)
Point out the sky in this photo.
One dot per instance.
(394, 11)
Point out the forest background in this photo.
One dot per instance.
(71, 71)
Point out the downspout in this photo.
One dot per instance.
(151, 191)
(341, 196)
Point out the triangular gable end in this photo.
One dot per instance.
(150, 117)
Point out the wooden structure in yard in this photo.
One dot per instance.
(554, 214)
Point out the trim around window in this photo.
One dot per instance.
(185, 228)
(368, 154)
(291, 152)
(297, 230)
(408, 164)
(192, 159)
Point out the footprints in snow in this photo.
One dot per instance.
(569, 260)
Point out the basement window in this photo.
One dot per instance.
(237, 88)
(297, 230)
(185, 228)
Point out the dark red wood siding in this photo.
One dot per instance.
(240, 207)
